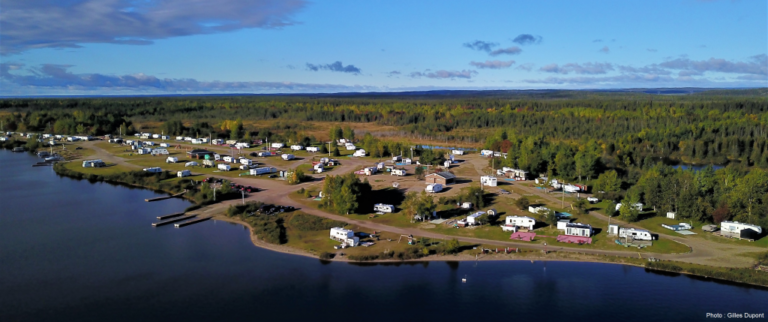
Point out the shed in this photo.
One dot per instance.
(671, 215)
(444, 178)
(199, 153)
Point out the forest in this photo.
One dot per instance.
(619, 143)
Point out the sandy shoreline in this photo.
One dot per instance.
(433, 258)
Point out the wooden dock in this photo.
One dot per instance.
(190, 222)
(165, 197)
(170, 216)
(172, 220)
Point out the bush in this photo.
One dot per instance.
(522, 203)
(327, 255)
(300, 191)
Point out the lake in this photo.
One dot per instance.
(79, 251)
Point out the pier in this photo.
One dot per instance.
(172, 220)
(190, 222)
(165, 197)
(170, 216)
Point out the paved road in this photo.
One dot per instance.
(703, 251)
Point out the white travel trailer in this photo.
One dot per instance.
(486, 153)
(164, 145)
(457, 152)
(398, 172)
(165, 137)
(224, 167)
(571, 188)
(350, 146)
(312, 149)
(229, 159)
(380, 207)
(93, 163)
(297, 147)
(263, 170)
(171, 160)
(490, 181)
(191, 164)
(277, 145)
(434, 188)
(740, 230)
(153, 170)
(639, 234)
(538, 209)
(149, 143)
(242, 145)
(638, 206)
(593, 199)
(369, 171)
(155, 136)
(179, 138)
(577, 229)
(144, 151)
(245, 161)
(472, 219)
(447, 164)
(319, 167)
(407, 161)
(183, 173)
(359, 153)
(345, 236)
(196, 141)
(287, 157)
(513, 222)
(160, 152)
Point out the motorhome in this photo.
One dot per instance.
(380, 207)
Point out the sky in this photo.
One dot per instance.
(145, 47)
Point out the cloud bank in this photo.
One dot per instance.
(335, 67)
(492, 64)
(480, 45)
(445, 74)
(586, 68)
(57, 77)
(29, 24)
(527, 39)
(506, 51)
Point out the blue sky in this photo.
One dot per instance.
(289, 46)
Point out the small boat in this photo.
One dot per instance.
(464, 280)
(18, 149)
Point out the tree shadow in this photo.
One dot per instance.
(390, 196)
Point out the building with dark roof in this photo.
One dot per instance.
(444, 178)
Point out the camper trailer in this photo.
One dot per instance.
(488, 181)
(735, 229)
(160, 152)
(153, 170)
(171, 160)
(398, 172)
(634, 233)
(312, 149)
(264, 170)
(359, 153)
(457, 152)
(513, 222)
(287, 157)
(380, 207)
(224, 167)
(277, 145)
(297, 147)
(434, 188)
(183, 173)
(350, 146)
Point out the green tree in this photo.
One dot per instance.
(581, 205)
(522, 203)
(627, 211)
(419, 172)
(551, 218)
(452, 246)
(336, 152)
(608, 182)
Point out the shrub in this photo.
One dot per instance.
(327, 255)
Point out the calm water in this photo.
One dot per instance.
(76, 251)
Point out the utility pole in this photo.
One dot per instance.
(243, 193)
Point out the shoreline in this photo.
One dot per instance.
(461, 258)
(575, 257)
